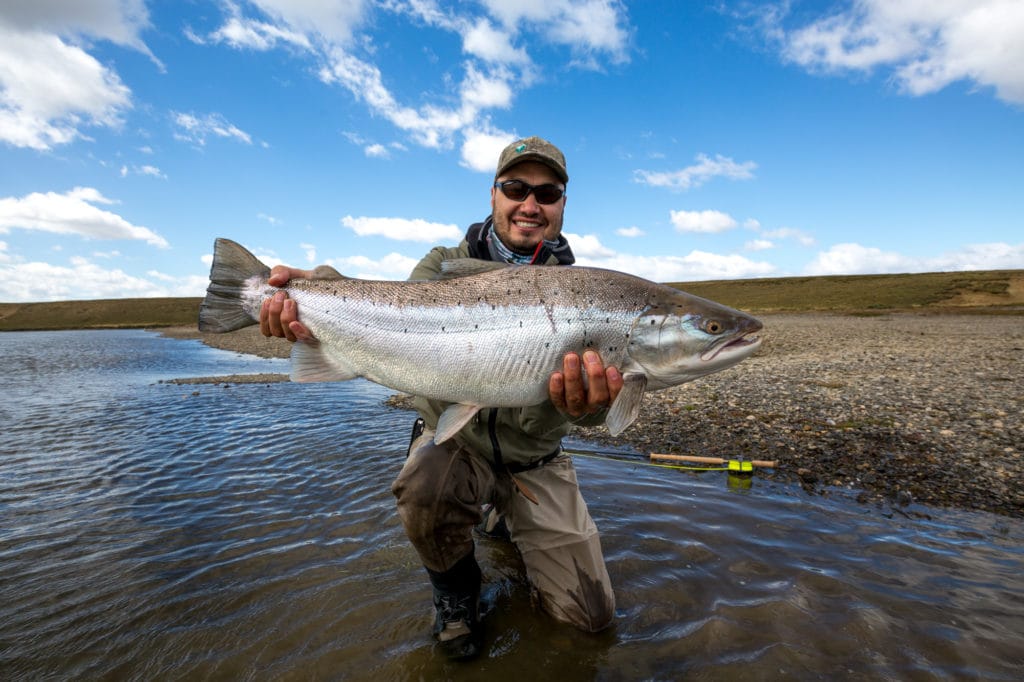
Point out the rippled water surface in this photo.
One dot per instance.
(157, 531)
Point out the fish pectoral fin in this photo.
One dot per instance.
(453, 419)
(626, 407)
(310, 363)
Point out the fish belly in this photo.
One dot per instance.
(498, 356)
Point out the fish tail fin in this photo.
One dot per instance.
(222, 309)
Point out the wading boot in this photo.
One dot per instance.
(456, 609)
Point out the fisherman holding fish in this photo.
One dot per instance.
(507, 461)
(504, 355)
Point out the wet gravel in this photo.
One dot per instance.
(901, 408)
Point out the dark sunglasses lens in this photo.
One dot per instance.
(515, 190)
(547, 194)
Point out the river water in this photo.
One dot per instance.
(158, 531)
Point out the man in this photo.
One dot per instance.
(507, 460)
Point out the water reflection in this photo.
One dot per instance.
(161, 531)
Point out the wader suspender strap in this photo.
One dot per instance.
(499, 464)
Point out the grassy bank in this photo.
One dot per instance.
(995, 291)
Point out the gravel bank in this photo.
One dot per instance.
(900, 407)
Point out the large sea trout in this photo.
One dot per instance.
(487, 334)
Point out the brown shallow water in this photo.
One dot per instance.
(156, 531)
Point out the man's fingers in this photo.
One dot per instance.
(597, 384)
(270, 315)
(556, 391)
(301, 333)
(615, 383)
(575, 393)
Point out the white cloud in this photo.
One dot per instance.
(484, 41)
(631, 231)
(391, 266)
(148, 170)
(119, 21)
(790, 233)
(81, 279)
(588, 27)
(195, 129)
(588, 246)
(702, 221)
(696, 175)
(927, 44)
(376, 151)
(71, 213)
(481, 149)
(402, 229)
(697, 265)
(239, 32)
(758, 245)
(854, 259)
(485, 91)
(310, 250)
(332, 21)
(51, 91)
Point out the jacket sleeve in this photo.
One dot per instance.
(429, 266)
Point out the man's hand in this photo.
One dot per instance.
(570, 396)
(279, 314)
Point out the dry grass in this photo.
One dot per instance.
(995, 291)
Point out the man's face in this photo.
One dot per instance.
(522, 225)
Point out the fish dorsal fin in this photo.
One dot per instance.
(326, 272)
(627, 404)
(464, 267)
(453, 419)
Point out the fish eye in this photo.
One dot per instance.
(713, 327)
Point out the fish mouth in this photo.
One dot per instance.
(729, 349)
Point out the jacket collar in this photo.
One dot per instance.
(476, 238)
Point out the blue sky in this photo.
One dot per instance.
(705, 140)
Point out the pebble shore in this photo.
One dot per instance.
(901, 408)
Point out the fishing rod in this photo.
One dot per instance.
(667, 461)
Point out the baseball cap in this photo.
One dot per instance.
(533, 149)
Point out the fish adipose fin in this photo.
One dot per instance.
(627, 404)
(221, 310)
(453, 419)
(311, 364)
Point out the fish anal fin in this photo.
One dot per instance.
(310, 364)
(453, 419)
(626, 407)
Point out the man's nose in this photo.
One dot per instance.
(530, 204)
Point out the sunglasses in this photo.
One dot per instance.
(517, 190)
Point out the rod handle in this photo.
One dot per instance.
(768, 464)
